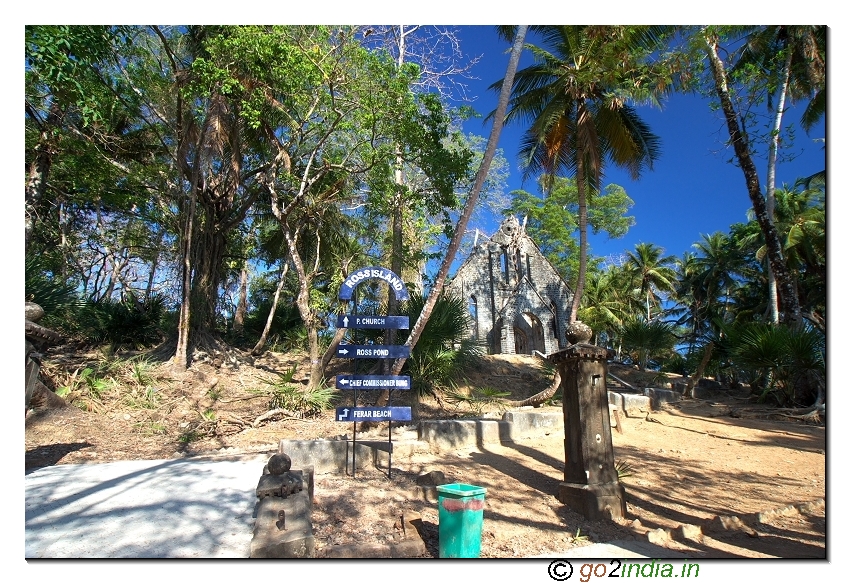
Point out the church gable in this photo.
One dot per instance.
(517, 301)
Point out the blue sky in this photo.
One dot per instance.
(691, 191)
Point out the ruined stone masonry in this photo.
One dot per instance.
(517, 301)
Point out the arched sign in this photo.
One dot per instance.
(394, 281)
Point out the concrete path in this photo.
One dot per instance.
(182, 508)
(143, 509)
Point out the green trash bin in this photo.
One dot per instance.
(461, 520)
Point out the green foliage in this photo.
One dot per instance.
(648, 341)
(151, 428)
(189, 436)
(579, 538)
(681, 364)
(624, 469)
(86, 387)
(442, 353)
(553, 219)
(119, 323)
(140, 394)
(283, 394)
(477, 399)
(783, 362)
(142, 398)
(46, 290)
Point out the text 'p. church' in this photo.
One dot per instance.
(518, 302)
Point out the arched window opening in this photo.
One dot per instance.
(473, 314)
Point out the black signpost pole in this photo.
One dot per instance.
(354, 423)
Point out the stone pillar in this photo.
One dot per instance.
(590, 485)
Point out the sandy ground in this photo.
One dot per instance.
(689, 463)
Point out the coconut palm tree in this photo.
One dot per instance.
(710, 38)
(653, 273)
(793, 60)
(718, 262)
(575, 100)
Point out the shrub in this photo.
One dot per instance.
(646, 341)
(126, 323)
(442, 353)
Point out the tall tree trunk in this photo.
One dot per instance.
(692, 382)
(789, 299)
(469, 206)
(582, 235)
(181, 354)
(206, 277)
(302, 302)
(771, 177)
(154, 265)
(242, 308)
(264, 337)
(39, 169)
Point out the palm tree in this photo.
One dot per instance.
(793, 59)
(653, 273)
(648, 340)
(710, 39)
(605, 309)
(575, 99)
(718, 263)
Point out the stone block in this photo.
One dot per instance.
(615, 399)
(326, 455)
(658, 536)
(408, 549)
(364, 551)
(658, 397)
(426, 493)
(689, 532)
(679, 386)
(534, 423)
(307, 473)
(289, 540)
(704, 392)
(728, 524)
(635, 405)
(813, 507)
(459, 433)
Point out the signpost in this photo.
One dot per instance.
(357, 414)
(373, 322)
(363, 381)
(353, 351)
(371, 351)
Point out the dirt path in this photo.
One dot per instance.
(689, 463)
(687, 468)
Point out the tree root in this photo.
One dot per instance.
(813, 415)
(273, 413)
(539, 398)
(206, 348)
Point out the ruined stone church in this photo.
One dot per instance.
(517, 301)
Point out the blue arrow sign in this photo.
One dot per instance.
(357, 414)
(394, 281)
(372, 351)
(372, 382)
(373, 322)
